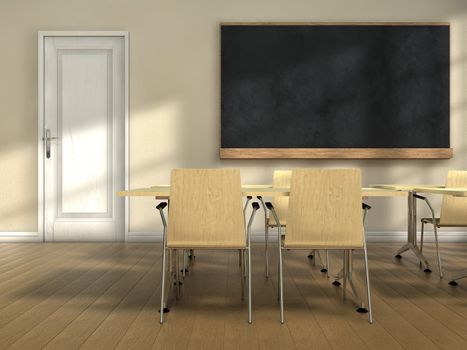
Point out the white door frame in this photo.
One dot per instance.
(40, 116)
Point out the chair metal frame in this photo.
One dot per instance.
(347, 273)
(281, 178)
(347, 270)
(206, 212)
(163, 301)
(453, 214)
(433, 220)
(342, 274)
(268, 224)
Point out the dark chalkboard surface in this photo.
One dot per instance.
(335, 86)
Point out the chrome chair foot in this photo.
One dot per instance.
(362, 310)
(166, 310)
(398, 256)
(336, 283)
(453, 283)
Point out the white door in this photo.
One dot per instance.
(84, 137)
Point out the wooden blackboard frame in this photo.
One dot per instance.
(336, 153)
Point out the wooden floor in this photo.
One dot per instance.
(105, 296)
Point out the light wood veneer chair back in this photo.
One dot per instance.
(325, 209)
(454, 209)
(281, 179)
(206, 209)
(324, 212)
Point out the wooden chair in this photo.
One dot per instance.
(325, 213)
(206, 212)
(281, 179)
(453, 214)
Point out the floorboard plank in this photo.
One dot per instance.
(78, 331)
(112, 329)
(28, 292)
(179, 322)
(374, 336)
(103, 296)
(35, 309)
(62, 315)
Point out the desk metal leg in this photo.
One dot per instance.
(412, 233)
(346, 274)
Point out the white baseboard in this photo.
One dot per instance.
(20, 237)
(372, 236)
(258, 236)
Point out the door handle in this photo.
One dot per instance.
(47, 139)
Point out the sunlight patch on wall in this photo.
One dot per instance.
(154, 150)
(17, 205)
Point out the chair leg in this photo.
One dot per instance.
(164, 267)
(241, 261)
(345, 274)
(245, 262)
(279, 280)
(281, 287)
(177, 272)
(250, 311)
(318, 257)
(192, 257)
(266, 239)
(242, 279)
(325, 267)
(328, 261)
(437, 251)
(367, 277)
(350, 274)
(422, 232)
(184, 269)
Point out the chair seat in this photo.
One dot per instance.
(430, 221)
(320, 245)
(205, 245)
(438, 224)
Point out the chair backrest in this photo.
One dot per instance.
(454, 209)
(281, 179)
(206, 209)
(325, 209)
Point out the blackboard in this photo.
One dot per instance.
(335, 86)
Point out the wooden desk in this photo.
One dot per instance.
(404, 187)
(449, 191)
(163, 192)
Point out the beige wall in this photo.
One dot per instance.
(174, 92)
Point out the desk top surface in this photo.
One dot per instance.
(254, 190)
(432, 189)
(404, 187)
(451, 191)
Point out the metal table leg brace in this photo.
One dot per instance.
(412, 233)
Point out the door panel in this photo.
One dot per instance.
(84, 108)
